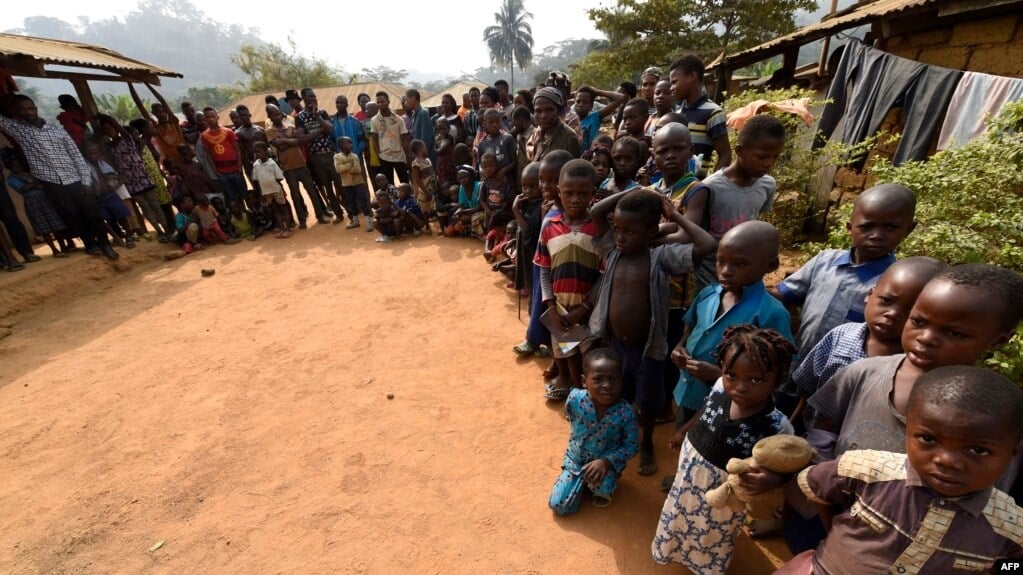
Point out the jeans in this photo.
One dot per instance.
(322, 167)
(294, 177)
(234, 186)
(356, 200)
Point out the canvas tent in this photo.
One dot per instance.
(256, 103)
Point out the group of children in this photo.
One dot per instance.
(912, 442)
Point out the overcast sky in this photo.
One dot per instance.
(435, 37)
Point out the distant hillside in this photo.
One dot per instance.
(171, 33)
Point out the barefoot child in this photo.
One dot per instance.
(269, 175)
(888, 304)
(604, 436)
(496, 194)
(348, 165)
(738, 412)
(631, 303)
(187, 227)
(526, 209)
(935, 510)
(569, 266)
(207, 215)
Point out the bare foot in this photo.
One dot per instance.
(647, 461)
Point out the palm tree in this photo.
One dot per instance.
(511, 39)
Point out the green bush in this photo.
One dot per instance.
(796, 173)
(969, 209)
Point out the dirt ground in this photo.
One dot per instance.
(243, 421)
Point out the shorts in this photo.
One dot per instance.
(275, 197)
(122, 192)
(643, 381)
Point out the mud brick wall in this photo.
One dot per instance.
(991, 45)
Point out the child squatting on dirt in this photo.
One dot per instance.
(604, 436)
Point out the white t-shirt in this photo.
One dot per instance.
(267, 174)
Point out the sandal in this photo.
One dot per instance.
(524, 348)
(61, 255)
(601, 501)
(542, 351)
(555, 393)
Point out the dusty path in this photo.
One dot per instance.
(243, 420)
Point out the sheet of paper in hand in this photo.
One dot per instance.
(566, 339)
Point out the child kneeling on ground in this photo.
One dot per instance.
(604, 436)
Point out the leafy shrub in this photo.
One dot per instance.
(969, 209)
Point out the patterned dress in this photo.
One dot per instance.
(689, 531)
(156, 176)
(40, 212)
(614, 437)
(130, 166)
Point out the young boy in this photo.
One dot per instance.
(705, 119)
(603, 436)
(833, 285)
(500, 144)
(187, 226)
(744, 190)
(269, 175)
(388, 219)
(591, 119)
(526, 208)
(887, 308)
(959, 317)
(221, 144)
(935, 509)
(745, 255)
(569, 266)
(634, 119)
(631, 304)
(627, 155)
(411, 214)
(381, 185)
(353, 184)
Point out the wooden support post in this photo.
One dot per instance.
(138, 101)
(822, 62)
(87, 101)
(723, 77)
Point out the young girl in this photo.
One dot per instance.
(496, 195)
(207, 217)
(142, 133)
(738, 412)
(45, 221)
(424, 181)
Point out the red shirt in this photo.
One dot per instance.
(74, 123)
(223, 148)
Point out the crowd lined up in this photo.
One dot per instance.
(645, 281)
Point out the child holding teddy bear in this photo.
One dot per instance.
(738, 413)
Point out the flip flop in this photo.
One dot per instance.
(600, 501)
(524, 348)
(542, 351)
(555, 393)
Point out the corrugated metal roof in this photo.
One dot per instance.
(62, 52)
(325, 95)
(853, 16)
(455, 90)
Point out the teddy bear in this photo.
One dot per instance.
(785, 454)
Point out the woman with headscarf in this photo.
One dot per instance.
(551, 133)
(563, 84)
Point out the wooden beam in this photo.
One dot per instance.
(87, 101)
(138, 101)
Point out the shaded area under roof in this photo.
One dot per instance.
(856, 15)
(28, 56)
(325, 96)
